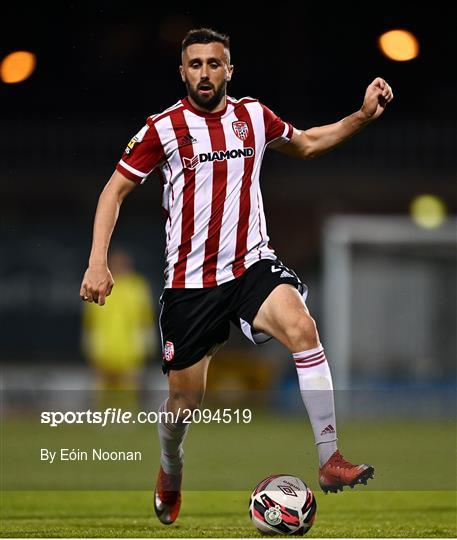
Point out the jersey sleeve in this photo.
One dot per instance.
(142, 154)
(275, 128)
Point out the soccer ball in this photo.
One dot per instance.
(282, 504)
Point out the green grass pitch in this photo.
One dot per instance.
(222, 514)
(413, 493)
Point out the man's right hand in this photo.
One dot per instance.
(97, 284)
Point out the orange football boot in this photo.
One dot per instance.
(167, 496)
(337, 473)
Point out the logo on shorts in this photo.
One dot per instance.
(241, 129)
(168, 351)
(284, 271)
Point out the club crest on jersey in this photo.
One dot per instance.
(168, 351)
(241, 129)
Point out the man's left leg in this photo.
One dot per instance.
(284, 316)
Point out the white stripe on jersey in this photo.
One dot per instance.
(255, 241)
(264, 251)
(132, 170)
(172, 192)
(236, 101)
(202, 202)
(177, 105)
(227, 239)
(284, 133)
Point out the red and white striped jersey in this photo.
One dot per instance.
(210, 167)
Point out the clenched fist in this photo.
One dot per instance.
(377, 96)
(97, 284)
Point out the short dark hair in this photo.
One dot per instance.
(204, 35)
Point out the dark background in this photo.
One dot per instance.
(104, 58)
(103, 67)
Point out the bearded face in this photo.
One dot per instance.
(206, 95)
(205, 71)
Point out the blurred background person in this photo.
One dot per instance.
(118, 339)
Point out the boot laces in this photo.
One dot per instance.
(339, 461)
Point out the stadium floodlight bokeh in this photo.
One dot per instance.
(399, 45)
(17, 66)
(428, 211)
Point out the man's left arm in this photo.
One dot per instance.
(317, 140)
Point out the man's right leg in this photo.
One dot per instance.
(186, 388)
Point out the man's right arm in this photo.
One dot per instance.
(98, 281)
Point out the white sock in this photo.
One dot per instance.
(316, 389)
(171, 437)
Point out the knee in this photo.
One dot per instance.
(184, 402)
(302, 333)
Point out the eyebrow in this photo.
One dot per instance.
(211, 59)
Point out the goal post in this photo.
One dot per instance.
(389, 299)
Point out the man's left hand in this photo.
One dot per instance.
(377, 96)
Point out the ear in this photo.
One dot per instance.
(228, 77)
(181, 71)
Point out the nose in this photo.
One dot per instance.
(204, 72)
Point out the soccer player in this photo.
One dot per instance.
(220, 267)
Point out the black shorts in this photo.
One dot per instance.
(193, 321)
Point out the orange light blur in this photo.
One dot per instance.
(399, 45)
(17, 67)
